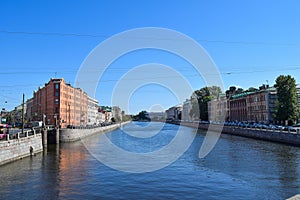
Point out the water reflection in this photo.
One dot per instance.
(72, 169)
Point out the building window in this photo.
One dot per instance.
(57, 86)
(56, 110)
(56, 101)
(56, 93)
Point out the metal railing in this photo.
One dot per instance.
(90, 126)
(12, 134)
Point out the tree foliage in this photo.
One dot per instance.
(252, 89)
(233, 91)
(199, 100)
(142, 116)
(286, 107)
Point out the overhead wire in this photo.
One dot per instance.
(136, 37)
(60, 34)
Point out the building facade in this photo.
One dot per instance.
(29, 110)
(92, 111)
(261, 106)
(16, 114)
(60, 103)
(254, 106)
(116, 113)
(237, 107)
(218, 109)
(174, 113)
(186, 108)
(104, 114)
(157, 116)
(3, 115)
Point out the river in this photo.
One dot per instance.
(237, 168)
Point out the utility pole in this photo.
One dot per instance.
(23, 120)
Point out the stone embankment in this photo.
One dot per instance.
(17, 145)
(71, 135)
(286, 137)
(20, 146)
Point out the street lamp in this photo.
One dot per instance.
(44, 118)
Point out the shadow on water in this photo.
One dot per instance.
(288, 164)
(269, 170)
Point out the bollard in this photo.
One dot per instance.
(57, 135)
(7, 137)
(44, 138)
(31, 150)
(26, 133)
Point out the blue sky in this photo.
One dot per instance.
(251, 43)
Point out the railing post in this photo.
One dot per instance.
(33, 130)
(57, 135)
(44, 138)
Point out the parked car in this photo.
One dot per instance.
(278, 127)
(290, 128)
(296, 126)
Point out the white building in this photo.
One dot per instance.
(116, 113)
(101, 117)
(174, 113)
(186, 108)
(29, 109)
(92, 111)
(157, 115)
(218, 109)
(104, 114)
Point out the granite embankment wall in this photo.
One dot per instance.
(286, 137)
(71, 135)
(14, 149)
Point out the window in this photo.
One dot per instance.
(57, 86)
(56, 101)
(56, 93)
(56, 110)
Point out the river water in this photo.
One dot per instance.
(237, 168)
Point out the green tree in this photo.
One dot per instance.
(233, 91)
(286, 107)
(252, 89)
(126, 118)
(143, 115)
(199, 100)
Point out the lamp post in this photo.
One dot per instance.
(44, 118)
(23, 120)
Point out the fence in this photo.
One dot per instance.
(12, 134)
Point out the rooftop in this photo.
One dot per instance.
(244, 94)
